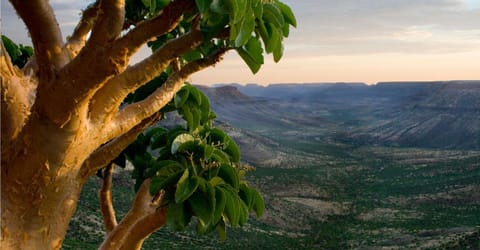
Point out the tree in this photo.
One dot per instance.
(76, 105)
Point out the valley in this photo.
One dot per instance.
(341, 166)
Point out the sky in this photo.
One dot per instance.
(343, 41)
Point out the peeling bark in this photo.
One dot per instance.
(61, 122)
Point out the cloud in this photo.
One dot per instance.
(388, 26)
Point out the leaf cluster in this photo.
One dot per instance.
(197, 166)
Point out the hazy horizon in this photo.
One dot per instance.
(342, 41)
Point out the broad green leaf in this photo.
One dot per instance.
(258, 204)
(195, 94)
(245, 30)
(181, 97)
(287, 13)
(160, 182)
(219, 156)
(217, 136)
(179, 140)
(192, 56)
(246, 195)
(203, 206)
(233, 151)
(229, 175)
(178, 216)
(222, 230)
(232, 208)
(242, 212)
(186, 187)
(238, 9)
(220, 201)
(252, 54)
(273, 15)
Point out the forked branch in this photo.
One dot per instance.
(145, 212)
(107, 100)
(149, 29)
(108, 152)
(131, 114)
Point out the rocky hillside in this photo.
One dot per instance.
(418, 114)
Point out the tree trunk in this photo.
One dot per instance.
(39, 187)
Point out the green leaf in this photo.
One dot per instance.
(252, 54)
(273, 15)
(178, 216)
(245, 30)
(238, 9)
(181, 97)
(220, 201)
(229, 175)
(203, 206)
(233, 151)
(246, 195)
(192, 55)
(287, 14)
(203, 5)
(179, 140)
(222, 230)
(232, 208)
(258, 204)
(160, 182)
(242, 212)
(186, 186)
(195, 94)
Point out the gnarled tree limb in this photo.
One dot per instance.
(149, 29)
(144, 207)
(107, 100)
(16, 102)
(132, 113)
(105, 154)
(109, 24)
(79, 36)
(46, 35)
(105, 196)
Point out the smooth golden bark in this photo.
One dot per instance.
(61, 121)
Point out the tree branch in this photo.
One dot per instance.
(79, 36)
(109, 24)
(46, 36)
(105, 196)
(16, 102)
(105, 154)
(159, 25)
(107, 100)
(132, 113)
(143, 228)
(144, 208)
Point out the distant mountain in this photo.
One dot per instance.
(414, 114)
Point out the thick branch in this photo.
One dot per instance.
(131, 114)
(17, 93)
(79, 36)
(46, 35)
(105, 196)
(143, 228)
(144, 208)
(105, 154)
(159, 25)
(109, 22)
(107, 100)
